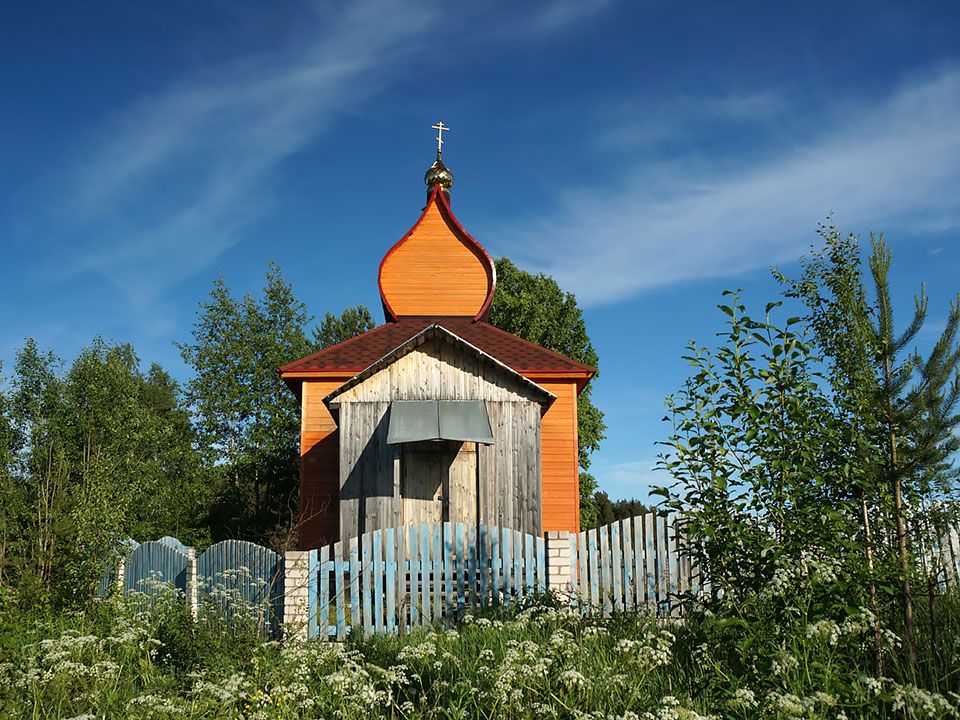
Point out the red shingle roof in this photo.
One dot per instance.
(362, 351)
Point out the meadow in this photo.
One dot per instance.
(783, 654)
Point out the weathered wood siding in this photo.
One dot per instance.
(319, 466)
(509, 470)
(433, 272)
(368, 470)
(438, 370)
(510, 492)
(561, 472)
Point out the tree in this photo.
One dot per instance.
(753, 449)
(537, 309)
(900, 408)
(95, 455)
(248, 422)
(334, 329)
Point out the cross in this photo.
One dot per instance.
(440, 127)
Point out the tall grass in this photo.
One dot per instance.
(130, 658)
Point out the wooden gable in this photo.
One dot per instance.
(438, 365)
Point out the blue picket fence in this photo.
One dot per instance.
(632, 564)
(396, 579)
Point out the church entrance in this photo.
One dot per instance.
(438, 482)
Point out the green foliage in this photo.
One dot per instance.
(537, 309)
(335, 329)
(754, 450)
(898, 410)
(247, 420)
(94, 455)
(609, 511)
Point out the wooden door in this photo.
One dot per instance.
(439, 482)
(462, 486)
(422, 485)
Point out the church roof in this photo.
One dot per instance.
(360, 352)
(431, 331)
(437, 268)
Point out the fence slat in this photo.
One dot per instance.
(473, 580)
(356, 611)
(506, 556)
(323, 618)
(627, 564)
(425, 573)
(594, 562)
(366, 568)
(437, 570)
(528, 560)
(390, 565)
(313, 569)
(413, 560)
(584, 557)
(517, 564)
(496, 567)
(339, 593)
(541, 547)
(485, 562)
(651, 560)
(460, 558)
(606, 572)
(615, 565)
(378, 623)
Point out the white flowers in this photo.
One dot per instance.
(652, 650)
(573, 680)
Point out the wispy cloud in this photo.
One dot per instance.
(177, 177)
(182, 173)
(892, 165)
(642, 124)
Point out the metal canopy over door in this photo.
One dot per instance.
(439, 482)
(460, 420)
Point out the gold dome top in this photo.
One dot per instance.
(438, 174)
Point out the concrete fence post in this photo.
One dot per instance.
(559, 569)
(296, 596)
(193, 598)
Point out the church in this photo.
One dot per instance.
(436, 415)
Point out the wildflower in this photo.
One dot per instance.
(743, 698)
(573, 680)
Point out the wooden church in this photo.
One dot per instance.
(436, 415)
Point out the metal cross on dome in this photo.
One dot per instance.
(440, 127)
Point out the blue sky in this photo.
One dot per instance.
(648, 154)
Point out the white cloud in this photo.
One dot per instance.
(892, 165)
(630, 479)
(178, 176)
(640, 125)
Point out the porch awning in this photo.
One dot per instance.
(460, 420)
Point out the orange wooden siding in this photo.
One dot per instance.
(319, 466)
(560, 471)
(434, 272)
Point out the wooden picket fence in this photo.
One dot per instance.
(633, 564)
(396, 579)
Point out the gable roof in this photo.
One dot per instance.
(435, 330)
(360, 352)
